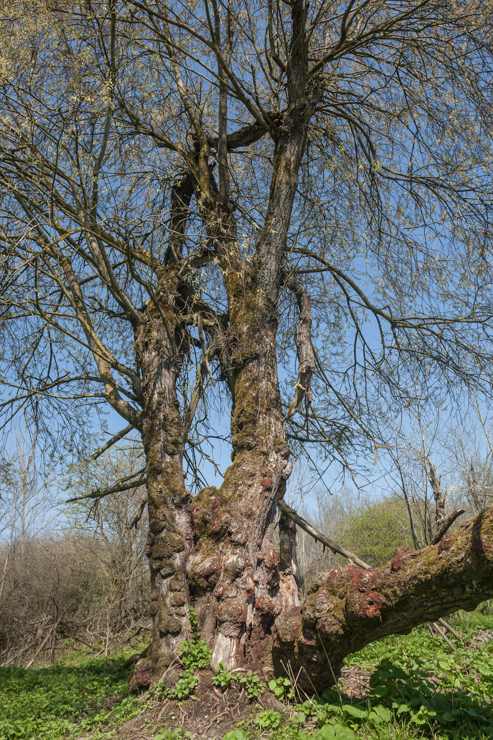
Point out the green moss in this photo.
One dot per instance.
(161, 550)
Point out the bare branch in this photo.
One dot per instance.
(124, 484)
(288, 511)
(111, 442)
(446, 525)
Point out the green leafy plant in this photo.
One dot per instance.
(282, 688)
(252, 684)
(223, 677)
(195, 654)
(193, 619)
(337, 731)
(238, 734)
(65, 700)
(177, 734)
(269, 719)
(185, 686)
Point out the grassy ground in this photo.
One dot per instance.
(76, 695)
(410, 687)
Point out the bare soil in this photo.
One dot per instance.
(208, 715)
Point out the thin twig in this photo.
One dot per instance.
(111, 442)
(451, 629)
(443, 635)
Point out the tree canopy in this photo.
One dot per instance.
(275, 212)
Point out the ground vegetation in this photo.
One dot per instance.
(276, 214)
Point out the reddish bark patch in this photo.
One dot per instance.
(367, 604)
(400, 556)
(363, 600)
(216, 525)
(333, 577)
(480, 545)
(210, 566)
(206, 574)
(267, 483)
(264, 605)
(364, 579)
(142, 675)
(237, 613)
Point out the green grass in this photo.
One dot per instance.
(420, 689)
(470, 622)
(63, 701)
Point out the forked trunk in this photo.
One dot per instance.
(216, 552)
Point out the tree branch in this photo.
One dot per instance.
(304, 347)
(349, 608)
(291, 513)
(446, 525)
(111, 442)
(122, 485)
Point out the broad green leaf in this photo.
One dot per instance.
(382, 713)
(355, 711)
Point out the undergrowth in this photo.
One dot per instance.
(418, 688)
(66, 699)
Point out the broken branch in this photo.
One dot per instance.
(321, 537)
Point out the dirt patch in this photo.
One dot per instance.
(208, 715)
(481, 637)
(355, 681)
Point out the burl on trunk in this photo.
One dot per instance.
(215, 552)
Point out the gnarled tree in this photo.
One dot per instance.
(186, 186)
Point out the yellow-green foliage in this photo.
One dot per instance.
(377, 529)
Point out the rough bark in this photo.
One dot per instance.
(235, 579)
(438, 494)
(170, 533)
(347, 609)
(216, 553)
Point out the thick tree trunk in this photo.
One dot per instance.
(170, 537)
(235, 577)
(216, 552)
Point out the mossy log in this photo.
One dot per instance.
(347, 609)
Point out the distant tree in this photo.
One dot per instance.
(187, 190)
(82, 576)
(378, 529)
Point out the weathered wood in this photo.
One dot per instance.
(447, 523)
(347, 609)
